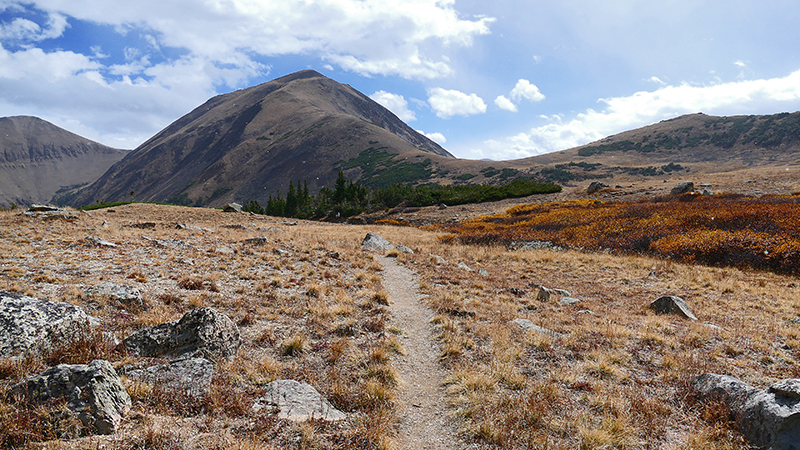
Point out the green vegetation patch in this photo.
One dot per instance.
(380, 169)
(466, 176)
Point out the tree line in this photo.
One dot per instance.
(348, 198)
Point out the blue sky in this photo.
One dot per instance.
(486, 79)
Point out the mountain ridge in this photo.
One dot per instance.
(38, 158)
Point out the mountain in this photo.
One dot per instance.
(37, 159)
(696, 143)
(251, 143)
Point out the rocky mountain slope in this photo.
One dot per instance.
(37, 159)
(251, 143)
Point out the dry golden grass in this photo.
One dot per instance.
(311, 307)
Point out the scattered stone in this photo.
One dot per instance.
(671, 304)
(544, 294)
(596, 186)
(43, 208)
(442, 206)
(224, 250)
(270, 229)
(233, 207)
(126, 295)
(533, 245)
(182, 226)
(202, 332)
(93, 392)
(28, 324)
(176, 244)
(683, 188)
(526, 325)
(258, 240)
(567, 301)
(768, 418)
(297, 402)
(463, 266)
(376, 243)
(142, 226)
(235, 226)
(516, 291)
(290, 224)
(483, 273)
(438, 259)
(459, 312)
(191, 376)
(404, 249)
(91, 240)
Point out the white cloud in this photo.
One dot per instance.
(24, 30)
(395, 103)
(503, 102)
(370, 37)
(435, 137)
(647, 107)
(447, 103)
(525, 90)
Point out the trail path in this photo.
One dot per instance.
(424, 423)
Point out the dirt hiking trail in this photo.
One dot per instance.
(424, 423)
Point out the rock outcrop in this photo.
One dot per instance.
(31, 324)
(202, 332)
(128, 296)
(768, 418)
(376, 243)
(671, 304)
(93, 392)
(683, 188)
(297, 402)
(190, 376)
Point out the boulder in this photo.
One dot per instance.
(768, 418)
(258, 240)
(596, 186)
(129, 296)
(297, 402)
(671, 304)
(233, 207)
(683, 188)
(376, 243)
(202, 332)
(93, 392)
(404, 249)
(526, 325)
(94, 241)
(190, 376)
(28, 324)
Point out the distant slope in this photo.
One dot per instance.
(248, 144)
(696, 142)
(38, 158)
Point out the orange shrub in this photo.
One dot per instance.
(761, 233)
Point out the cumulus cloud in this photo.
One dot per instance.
(395, 103)
(503, 102)
(448, 103)
(646, 107)
(435, 137)
(525, 90)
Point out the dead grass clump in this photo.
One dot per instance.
(197, 284)
(294, 346)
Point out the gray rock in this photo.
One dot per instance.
(223, 250)
(768, 418)
(566, 301)
(126, 295)
(190, 376)
(258, 240)
(376, 243)
(671, 304)
(91, 240)
(28, 324)
(235, 226)
(438, 259)
(683, 188)
(596, 186)
(202, 332)
(404, 249)
(442, 206)
(483, 272)
(707, 191)
(297, 402)
(93, 392)
(464, 267)
(233, 207)
(544, 294)
(43, 208)
(526, 325)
